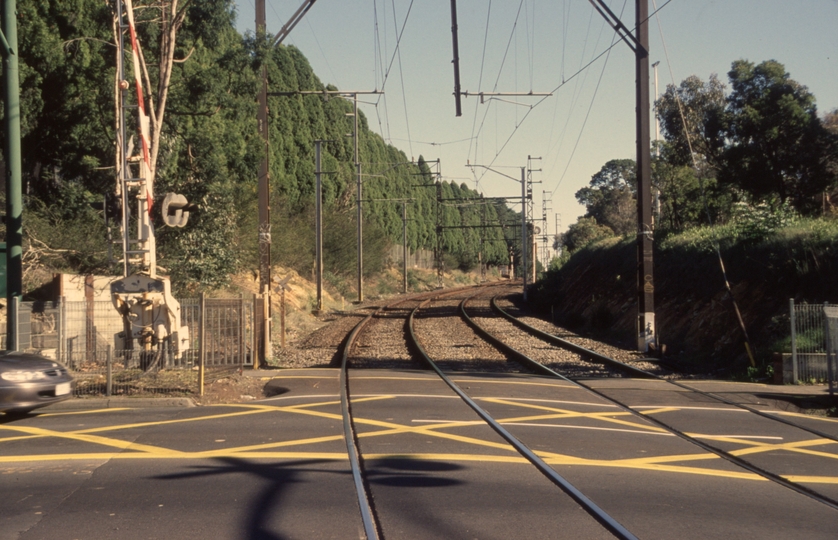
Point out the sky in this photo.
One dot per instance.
(558, 47)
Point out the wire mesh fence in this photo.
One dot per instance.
(86, 336)
(814, 343)
(130, 372)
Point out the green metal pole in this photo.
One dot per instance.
(14, 198)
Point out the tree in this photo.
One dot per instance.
(685, 198)
(66, 73)
(585, 231)
(776, 138)
(610, 196)
(830, 124)
(693, 120)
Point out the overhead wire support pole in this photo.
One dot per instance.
(646, 332)
(639, 43)
(359, 187)
(456, 61)
(264, 171)
(264, 189)
(359, 195)
(524, 245)
(14, 172)
(531, 247)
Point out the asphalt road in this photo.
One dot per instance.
(277, 468)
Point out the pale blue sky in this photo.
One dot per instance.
(535, 45)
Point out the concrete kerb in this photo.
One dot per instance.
(78, 404)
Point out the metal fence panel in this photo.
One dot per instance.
(82, 336)
(131, 372)
(810, 353)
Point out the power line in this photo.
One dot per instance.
(588, 114)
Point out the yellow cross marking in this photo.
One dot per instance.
(566, 413)
(131, 450)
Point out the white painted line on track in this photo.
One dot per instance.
(682, 408)
(534, 400)
(636, 431)
(307, 396)
(458, 422)
(760, 437)
(387, 394)
(591, 428)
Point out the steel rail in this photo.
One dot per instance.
(803, 490)
(589, 506)
(645, 374)
(372, 528)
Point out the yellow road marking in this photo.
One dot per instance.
(801, 415)
(87, 411)
(257, 447)
(268, 450)
(796, 447)
(565, 413)
(104, 441)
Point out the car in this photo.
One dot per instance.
(29, 381)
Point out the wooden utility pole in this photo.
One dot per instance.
(264, 193)
(318, 224)
(264, 189)
(359, 194)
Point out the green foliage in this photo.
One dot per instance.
(57, 242)
(764, 141)
(756, 222)
(776, 136)
(210, 152)
(584, 232)
(693, 120)
(610, 198)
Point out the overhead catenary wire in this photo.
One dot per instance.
(587, 114)
(562, 84)
(401, 74)
(500, 71)
(386, 74)
(539, 102)
(480, 81)
(576, 96)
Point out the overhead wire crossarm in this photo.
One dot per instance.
(482, 95)
(618, 26)
(292, 22)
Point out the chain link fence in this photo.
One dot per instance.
(82, 336)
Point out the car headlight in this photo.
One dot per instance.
(23, 376)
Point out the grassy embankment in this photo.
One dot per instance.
(595, 290)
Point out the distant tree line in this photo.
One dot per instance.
(762, 148)
(210, 151)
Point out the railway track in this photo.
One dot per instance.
(408, 352)
(467, 332)
(651, 373)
